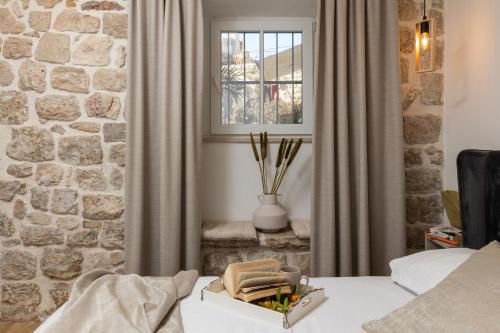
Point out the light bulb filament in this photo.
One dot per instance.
(424, 38)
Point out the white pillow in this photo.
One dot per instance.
(421, 271)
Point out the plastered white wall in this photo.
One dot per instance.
(472, 85)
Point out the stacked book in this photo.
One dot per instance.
(446, 234)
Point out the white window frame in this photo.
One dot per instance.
(304, 25)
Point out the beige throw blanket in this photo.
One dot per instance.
(466, 301)
(103, 301)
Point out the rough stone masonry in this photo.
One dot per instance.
(422, 107)
(62, 134)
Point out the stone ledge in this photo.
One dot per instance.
(282, 240)
(215, 261)
(242, 234)
(228, 234)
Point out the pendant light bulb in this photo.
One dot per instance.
(424, 40)
(424, 32)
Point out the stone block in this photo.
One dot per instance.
(17, 265)
(64, 201)
(432, 88)
(110, 79)
(40, 20)
(54, 48)
(39, 218)
(114, 132)
(32, 144)
(9, 188)
(49, 174)
(93, 51)
(91, 179)
(84, 238)
(13, 107)
(21, 170)
(413, 157)
(86, 126)
(113, 235)
(282, 240)
(16, 48)
(117, 154)
(424, 208)
(41, 236)
(20, 301)
(423, 181)
(70, 79)
(215, 262)
(81, 150)
(67, 222)
(421, 129)
(40, 198)
(101, 5)
(7, 227)
(72, 20)
(32, 76)
(102, 206)
(6, 73)
(61, 263)
(408, 10)
(406, 40)
(8, 23)
(115, 25)
(103, 106)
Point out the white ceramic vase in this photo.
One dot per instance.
(270, 216)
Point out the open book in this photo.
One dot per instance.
(257, 279)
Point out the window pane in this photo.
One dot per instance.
(224, 105)
(241, 65)
(285, 59)
(252, 104)
(285, 114)
(298, 117)
(236, 58)
(297, 56)
(270, 103)
(232, 109)
(270, 56)
(224, 42)
(252, 56)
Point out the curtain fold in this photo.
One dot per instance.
(358, 208)
(163, 108)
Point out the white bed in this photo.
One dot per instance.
(350, 302)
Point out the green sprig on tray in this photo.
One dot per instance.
(280, 303)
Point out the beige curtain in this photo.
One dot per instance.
(358, 218)
(163, 136)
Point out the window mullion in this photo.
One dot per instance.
(293, 76)
(229, 100)
(261, 77)
(277, 85)
(244, 78)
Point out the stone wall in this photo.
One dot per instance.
(422, 105)
(224, 243)
(62, 133)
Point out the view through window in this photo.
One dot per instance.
(244, 74)
(262, 77)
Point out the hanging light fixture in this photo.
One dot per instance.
(424, 44)
(425, 29)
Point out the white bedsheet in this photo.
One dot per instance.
(350, 302)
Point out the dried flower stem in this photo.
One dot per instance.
(284, 159)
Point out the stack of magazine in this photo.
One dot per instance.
(446, 234)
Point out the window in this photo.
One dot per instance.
(261, 76)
